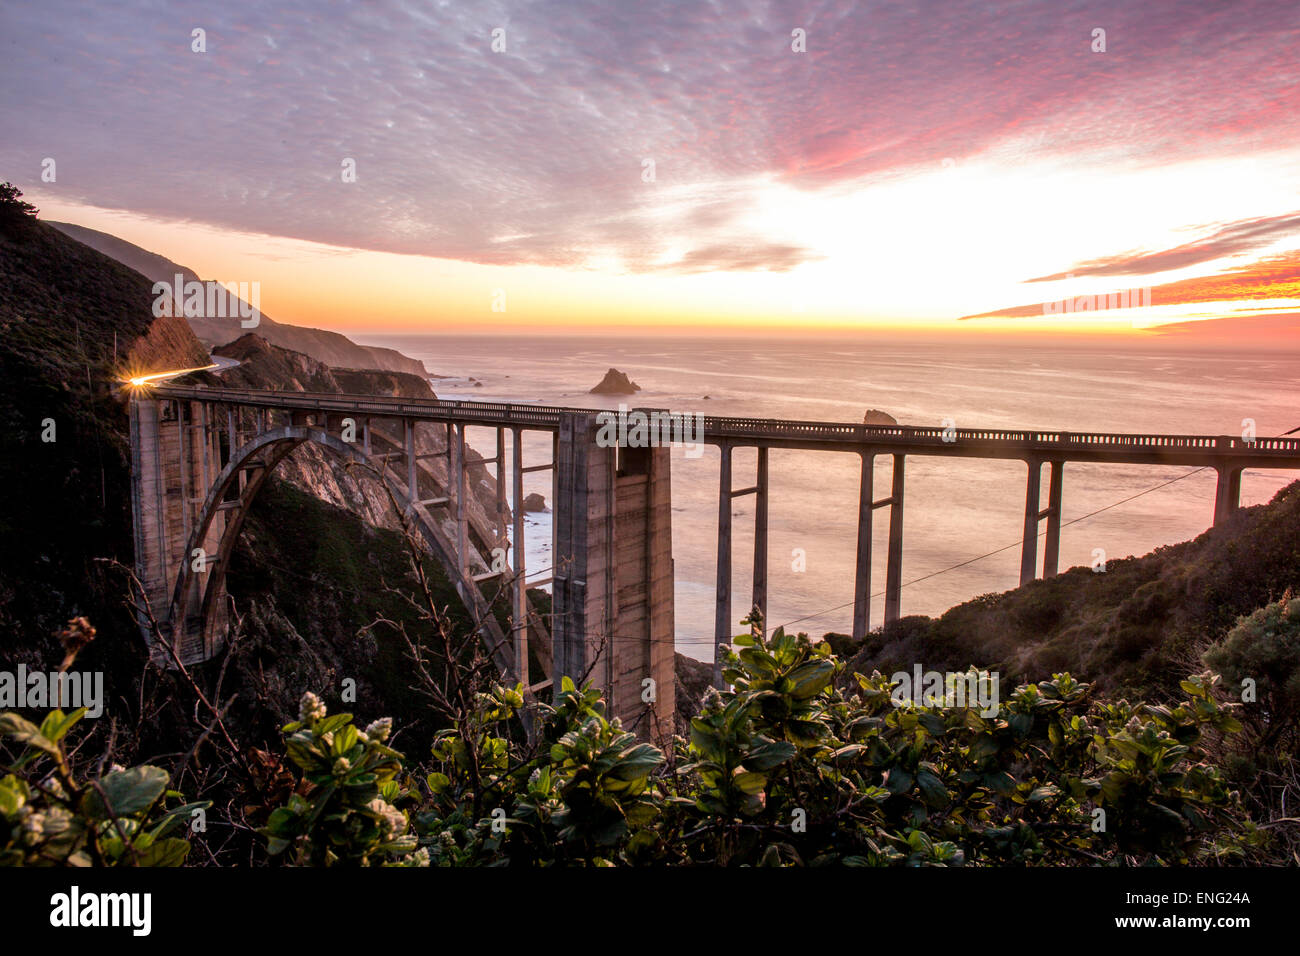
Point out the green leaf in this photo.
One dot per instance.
(847, 752)
(750, 783)
(128, 792)
(344, 740)
(169, 852)
(898, 781)
(933, 723)
(11, 797)
(330, 724)
(805, 733)
(57, 723)
(637, 762)
(933, 792)
(24, 731)
(811, 678)
(770, 754)
(982, 747)
(704, 737)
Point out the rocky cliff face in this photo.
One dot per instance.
(317, 471)
(328, 347)
(169, 344)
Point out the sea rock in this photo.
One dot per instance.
(875, 416)
(535, 502)
(615, 383)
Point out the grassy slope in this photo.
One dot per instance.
(1138, 627)
(63, 308)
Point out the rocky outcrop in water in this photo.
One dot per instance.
(875, 416)
(616, 383)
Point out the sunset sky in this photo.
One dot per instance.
(925, 165)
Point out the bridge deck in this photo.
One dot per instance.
(1209, 450)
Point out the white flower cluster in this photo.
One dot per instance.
(33, 826)
(310, 708)
(378, 730)
(392, 821)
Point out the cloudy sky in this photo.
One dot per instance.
(678, 163)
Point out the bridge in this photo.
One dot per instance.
(200, 455)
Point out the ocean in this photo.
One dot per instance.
(956, 510)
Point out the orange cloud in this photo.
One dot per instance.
(1275, 277)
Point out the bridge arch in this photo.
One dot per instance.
(258, 458)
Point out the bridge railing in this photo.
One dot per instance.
(490, 413)
(724, 427)
(729, 427)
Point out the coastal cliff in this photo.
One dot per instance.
(315, 470)
(331, 348)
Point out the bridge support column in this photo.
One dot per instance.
(183, 441)
(862, 577)
(722, 613)
(462, 509)
(894, 568)
(168, 472)
(408, 446)
(518, 561)
(760, 538)
(1227, 492)
(613, 574)
(1052, 547)
(502, 509)
(1029, 546)
(569, 554)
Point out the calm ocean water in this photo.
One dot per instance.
(956, 509)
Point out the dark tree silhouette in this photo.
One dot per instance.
(14, 212)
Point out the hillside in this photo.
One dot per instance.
(324, 346)
(1137, 628)
(71, 321)
(308, 573)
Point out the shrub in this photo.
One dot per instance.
(347, 811)
(1264, 647)
(51, 818)
(786, 768)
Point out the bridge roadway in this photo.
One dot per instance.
(1112, 447)
(1229, 455)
